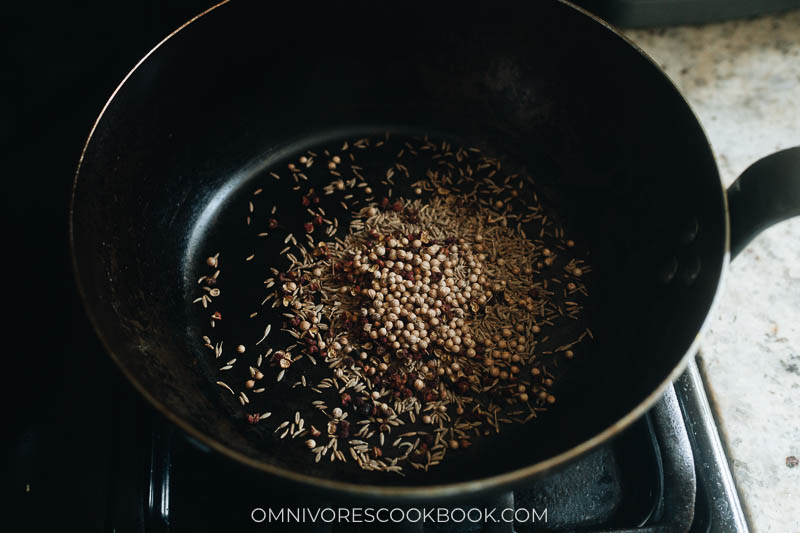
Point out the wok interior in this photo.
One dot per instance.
(591, 119)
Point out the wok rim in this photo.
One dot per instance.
(409, 492)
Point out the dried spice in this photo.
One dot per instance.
(432, 311)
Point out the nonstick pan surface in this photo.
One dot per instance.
(616, 152)
(228, 226)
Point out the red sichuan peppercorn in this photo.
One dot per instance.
(343, 429)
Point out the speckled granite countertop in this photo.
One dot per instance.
(743, 81)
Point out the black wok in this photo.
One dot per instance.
(623, 158)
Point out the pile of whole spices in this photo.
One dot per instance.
(431, 311)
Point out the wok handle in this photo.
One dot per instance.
(767, 192)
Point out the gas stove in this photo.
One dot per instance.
(103, 460)
(667, 473)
